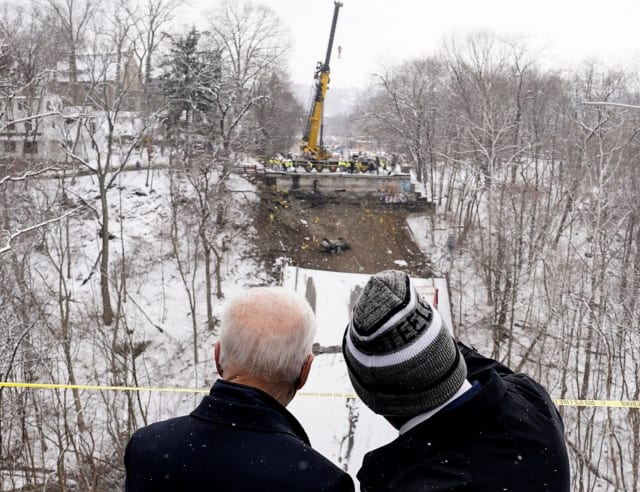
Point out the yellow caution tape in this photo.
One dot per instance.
(598, 403)
(325, 394)
(100, 388)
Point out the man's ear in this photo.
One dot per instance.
(304, 372)
(216, 356)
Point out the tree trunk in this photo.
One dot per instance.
(208, 284)
(107, 310)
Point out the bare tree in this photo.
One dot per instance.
(29, 53)
(406, 108)
(111, 82)
(252, 43)
(538, 170)
(74, 19)
(149, 20)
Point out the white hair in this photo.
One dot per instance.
(266, 333)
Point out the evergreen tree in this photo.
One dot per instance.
(189, 83)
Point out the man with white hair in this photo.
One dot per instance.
(241, 437)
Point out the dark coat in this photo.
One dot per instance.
(508, 436)
(238, 439)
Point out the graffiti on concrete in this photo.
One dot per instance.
(396, 198)
(395, 194)
(406, 186)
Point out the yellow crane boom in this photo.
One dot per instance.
(312, 145)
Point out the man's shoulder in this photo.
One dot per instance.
(164, 424)
(415, 462)
(531, 394)
(319, 473)
(526, 389)
(156, 431)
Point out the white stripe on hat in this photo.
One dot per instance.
(411, 305)
(408, 352)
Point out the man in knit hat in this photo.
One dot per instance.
(466, 422)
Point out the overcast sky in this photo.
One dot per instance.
(374, 33)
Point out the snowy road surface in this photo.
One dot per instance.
(325, 406)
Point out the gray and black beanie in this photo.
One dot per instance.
(402, 361)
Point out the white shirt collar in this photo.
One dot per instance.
(418, 419)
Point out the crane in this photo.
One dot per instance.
(312, 144)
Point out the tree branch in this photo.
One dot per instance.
(605, 103)
(29, 174)
(7, 247)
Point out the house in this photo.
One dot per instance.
(29, 128)
(101, 79)
(74, 113)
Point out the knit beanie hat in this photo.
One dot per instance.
(401, 359)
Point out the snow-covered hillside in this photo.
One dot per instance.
(339, 425)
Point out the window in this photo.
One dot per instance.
(9, 146)
(23, 105)
(28, 126)
(30, 147)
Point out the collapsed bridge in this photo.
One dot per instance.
(393, 188)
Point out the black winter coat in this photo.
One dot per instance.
(238, 439)
(509, 436)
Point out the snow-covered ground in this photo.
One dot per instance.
(158, 313)
(326, 405)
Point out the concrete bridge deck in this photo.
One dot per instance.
(393, 188)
